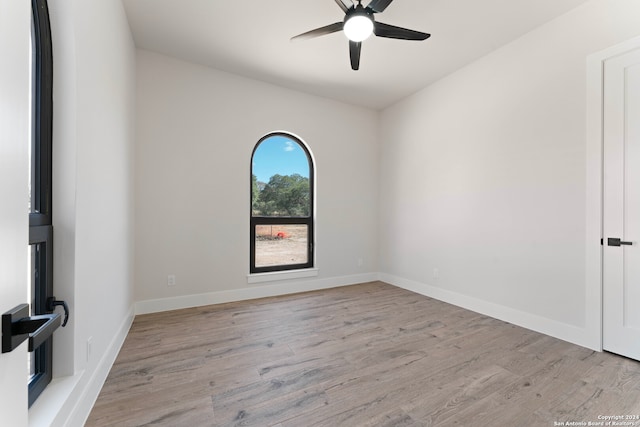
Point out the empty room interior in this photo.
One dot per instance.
(458, 244)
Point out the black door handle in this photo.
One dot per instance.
(51, 306)
(614, 241)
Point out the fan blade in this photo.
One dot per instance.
(379, 5)
(393, 32)
(344, 5)
(354, 53)
(320, 31)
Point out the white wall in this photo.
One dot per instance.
(196, 129)
(94, 90)
(14, 167)
(483, 177)
(105, 91)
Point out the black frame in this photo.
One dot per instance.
(42, 115)
(41, 238)
(282, 220)
(40, 218)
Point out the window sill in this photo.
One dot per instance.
(281, 275)
(46, 410)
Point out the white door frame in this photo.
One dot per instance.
(594, 183)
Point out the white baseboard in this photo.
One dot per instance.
(77, 394)
(248, 293)
(563, 331)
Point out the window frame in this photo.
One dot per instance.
(283, 220)
(41, 238)
(42, 116)
(40, 216)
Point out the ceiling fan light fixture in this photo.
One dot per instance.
(359, 23)
(358, 27)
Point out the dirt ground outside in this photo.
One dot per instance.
(281, 245)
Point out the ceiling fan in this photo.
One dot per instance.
(359, 24)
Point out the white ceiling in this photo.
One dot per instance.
(252, 38)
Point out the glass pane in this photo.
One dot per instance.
(31, 136)
(280, 179)
(281, 245)
(31, 276)
(31, 362)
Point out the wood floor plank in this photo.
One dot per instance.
(447, 398)
(255, 394)
(584, 401)
(362, 355)
(618, 374)
(395, 418)
(515, 403)
(188, 405)
(271, 412)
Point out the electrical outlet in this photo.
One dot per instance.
(436, 273)
(171, 280)
(360, 262)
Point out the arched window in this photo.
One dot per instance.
(282, 184)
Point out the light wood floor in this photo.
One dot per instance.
(364, 355)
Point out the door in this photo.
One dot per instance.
(15, 78)
(621, 210)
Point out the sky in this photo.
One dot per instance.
(279, 155)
